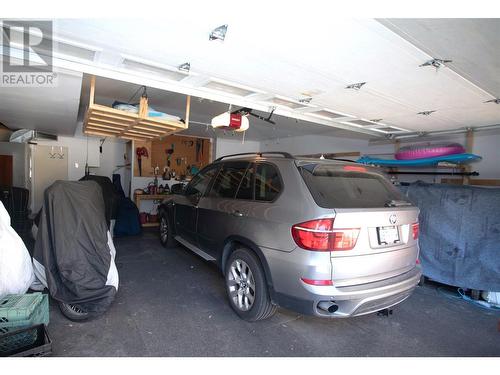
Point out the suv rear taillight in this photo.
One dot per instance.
(414, 230)
(319, 235)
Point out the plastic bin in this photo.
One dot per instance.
(19, 306)
(26, 342)
(23, 310)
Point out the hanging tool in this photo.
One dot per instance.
(169, 152)
(101, 143)
(140, 152)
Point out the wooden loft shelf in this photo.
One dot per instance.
(109, 122)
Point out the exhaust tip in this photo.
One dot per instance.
(328, 306)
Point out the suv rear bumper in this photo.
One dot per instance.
(354, 300)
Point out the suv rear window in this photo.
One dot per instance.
(267, 182)
(228, 180)
(245, 191)
(333, 187)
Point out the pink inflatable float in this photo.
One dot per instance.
(422, 151)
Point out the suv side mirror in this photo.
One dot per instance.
(177, 189)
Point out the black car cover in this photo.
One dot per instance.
(74, 253)
(110, 195)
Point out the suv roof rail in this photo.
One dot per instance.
(340, 159)
(286, 155)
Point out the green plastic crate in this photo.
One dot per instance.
(23, 310)
(19, 306)
(26, 342)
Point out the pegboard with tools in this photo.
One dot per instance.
(175, 154)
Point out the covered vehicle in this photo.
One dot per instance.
(110, 194)
(74, 252)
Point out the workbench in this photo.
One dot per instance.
(138, 198)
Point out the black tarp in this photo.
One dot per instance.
(118, 185)
(459, 233)
(110, 195)
(72, 245)
(127, 215)
(127, 221)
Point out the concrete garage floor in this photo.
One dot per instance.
(173, 303)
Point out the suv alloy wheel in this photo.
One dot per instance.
(246, 286)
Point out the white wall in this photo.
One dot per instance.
(487, 145)
(113, 151)
(75, 150)
(225, 146)
(45, 170)
(312, 144)
(82, 149)
(77, 153)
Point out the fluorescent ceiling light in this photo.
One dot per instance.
(287, 102)
(138, 64)
(389, 129)
(361, 123)
(229, 87)
(375, 126)
(328, 114)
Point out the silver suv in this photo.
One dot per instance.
(321, 237)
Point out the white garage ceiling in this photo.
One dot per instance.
(202, 110)
(49, 109)
(273, 60)
(472, 44)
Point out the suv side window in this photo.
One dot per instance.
(228, 180)
(201, 180)
(267, 182)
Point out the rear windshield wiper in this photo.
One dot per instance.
(395, 203)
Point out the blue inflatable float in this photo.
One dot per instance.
(425, 162)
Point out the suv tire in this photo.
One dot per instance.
(166, 233)
(246, 286)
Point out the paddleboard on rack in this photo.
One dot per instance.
(425, 162)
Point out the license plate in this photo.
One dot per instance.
(387, 235)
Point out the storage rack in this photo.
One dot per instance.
(105, 121)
